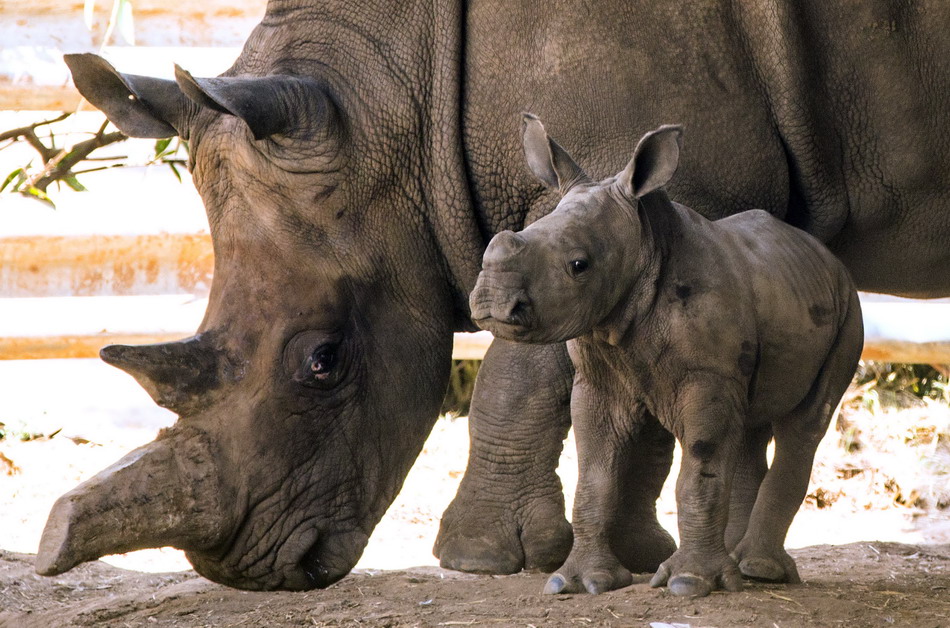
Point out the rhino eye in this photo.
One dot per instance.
(578, 266)
(319, 365)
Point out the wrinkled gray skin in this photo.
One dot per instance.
(725, 333)
(355, 161)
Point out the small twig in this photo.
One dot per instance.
(60, 167)
(13, 134)
(781, 597)
(99, 169)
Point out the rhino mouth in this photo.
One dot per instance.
(318, 575)
(314, 562)
(328, 559)
(514, 331)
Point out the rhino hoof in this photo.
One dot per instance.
(690, 585)
(770, 570)
(555, 584)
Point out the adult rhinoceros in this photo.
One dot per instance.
(355, 161)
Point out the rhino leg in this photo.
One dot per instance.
(708, 417)
(603, 457)
(508, 514)
(750, 470)
(761, 552)
(636, 537)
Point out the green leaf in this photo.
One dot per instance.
(40, 195)
(174, 168)
(124, 22)
(74, 183)
(10, 177)
(161, 145)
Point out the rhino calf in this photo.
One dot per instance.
(727, 333)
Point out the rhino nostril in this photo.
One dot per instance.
(517, 310)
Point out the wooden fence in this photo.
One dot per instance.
(67, 296)
(203, 35)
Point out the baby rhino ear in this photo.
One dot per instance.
(653, 163)
(547, 160)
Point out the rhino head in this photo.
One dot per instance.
(324, 354)
(569, 272)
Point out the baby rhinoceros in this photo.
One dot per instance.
(727, 333)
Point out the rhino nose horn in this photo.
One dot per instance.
(503, 247)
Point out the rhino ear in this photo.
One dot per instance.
(653, 163)
(140, 106)
(270, 105)
(547, 160)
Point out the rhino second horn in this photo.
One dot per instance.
(173, 373)
(168, 492)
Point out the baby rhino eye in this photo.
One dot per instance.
(578, 266)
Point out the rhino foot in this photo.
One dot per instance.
(508, 514)
(768, 565)
(688, 574)
(588, 574)
(642, 544)
(496, 538)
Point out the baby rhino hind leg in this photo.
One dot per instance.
(761, 552)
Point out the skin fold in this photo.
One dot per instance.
(724, 333)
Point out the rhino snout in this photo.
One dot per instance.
(495, 305)
(512, 310)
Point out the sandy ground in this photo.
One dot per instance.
(874, 549)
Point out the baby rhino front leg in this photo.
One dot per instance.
(707, 419)
(603, 435)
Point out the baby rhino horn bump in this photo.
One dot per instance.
(503, 247)
(168, 492)
(173, 373)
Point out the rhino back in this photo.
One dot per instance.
(802, 295)
(602, 73)
(827, 115)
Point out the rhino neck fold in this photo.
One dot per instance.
(660, 225)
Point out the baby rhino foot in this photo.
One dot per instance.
(588, 575)
(758, 563)
(693, 575)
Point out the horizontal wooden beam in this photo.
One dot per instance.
(204, 36)
(77, 327)
(67, 296)
(106, 265)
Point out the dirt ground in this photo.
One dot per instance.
(872, 539)
(861, 584)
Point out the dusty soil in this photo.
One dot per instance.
(861, 584)
(879, 495)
